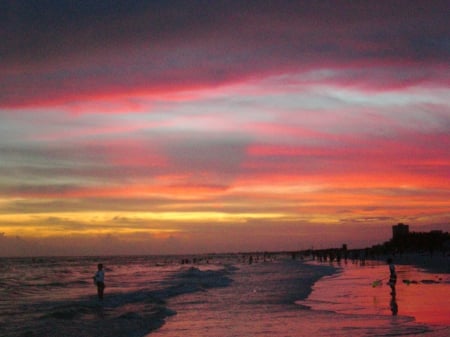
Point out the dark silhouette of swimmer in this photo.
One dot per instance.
(99, 280)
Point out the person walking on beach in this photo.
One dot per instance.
(99, 281)
(392, 276)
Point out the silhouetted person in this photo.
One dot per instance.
(99, 280)
(392, 276)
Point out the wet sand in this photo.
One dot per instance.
(261, 301)
(420, 294)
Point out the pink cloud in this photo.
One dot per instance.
(405, 157)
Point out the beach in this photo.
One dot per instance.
(342, 303)
(420, 294)
(218, 295)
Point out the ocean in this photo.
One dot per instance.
(217, 295)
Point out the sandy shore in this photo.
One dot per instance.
(351, 292)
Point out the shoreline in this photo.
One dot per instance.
(435, 264)
(352, 291)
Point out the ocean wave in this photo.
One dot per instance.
(128, 312)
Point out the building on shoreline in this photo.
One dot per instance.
(405, 241)
(399, 231)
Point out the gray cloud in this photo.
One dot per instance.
(59, 52)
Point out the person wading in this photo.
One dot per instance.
(99, 281)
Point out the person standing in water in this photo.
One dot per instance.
(99, 281)
(392, 281)
(392, 276)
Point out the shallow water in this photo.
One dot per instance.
(56, 296)
(266, 300)
(259, 302)
(218, 296)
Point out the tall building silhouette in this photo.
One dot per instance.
(400, 231)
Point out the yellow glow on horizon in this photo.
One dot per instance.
(109, 215)
(37, 231)
(44, 224)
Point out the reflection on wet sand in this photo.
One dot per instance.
(392, 282)
(393, 305)
(418, 294)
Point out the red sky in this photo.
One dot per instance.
(190, 126)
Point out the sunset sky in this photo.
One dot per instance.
(154, 127)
